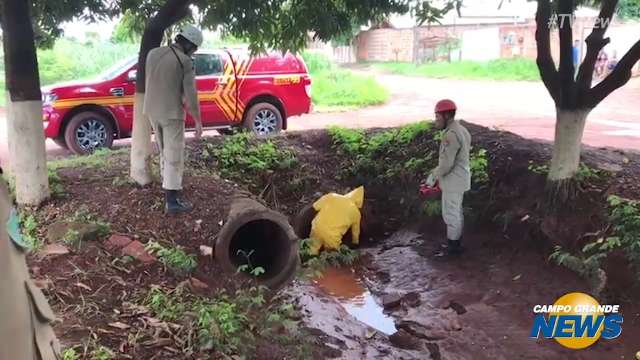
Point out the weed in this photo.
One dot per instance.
(344, 256)
(243, 157)
(583, 175)
(538, 169)
(248, 267)
(102, 353)
(382, 158)
(432, 207)
(585, 264)
(70, 354)
(586, 174)
(29, 228)
(479, 165)
(176, 259)
(624, 216)
(166, 305)
(72, 237)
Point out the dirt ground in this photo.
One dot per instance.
(475, 307)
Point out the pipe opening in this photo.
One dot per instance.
(261, 243)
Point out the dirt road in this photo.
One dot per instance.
(524, 108)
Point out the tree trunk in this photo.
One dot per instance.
(27, 154)
(566, 153)
(141, 149)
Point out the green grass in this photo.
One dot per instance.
(335, 87)
(503, 69)
(72, 60)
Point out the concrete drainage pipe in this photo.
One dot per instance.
(259, 237)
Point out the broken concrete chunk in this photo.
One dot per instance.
(116, 242)
(136, 250)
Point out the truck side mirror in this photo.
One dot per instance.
(131, 75)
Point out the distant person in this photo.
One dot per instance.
(611, 65)
(453, 173)
(601, 63)
(576, 56)
(170, 78)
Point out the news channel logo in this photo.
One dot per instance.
(577, 321)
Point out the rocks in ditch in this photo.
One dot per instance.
(411, 299)
(403, 340)
(391, 301)
(457, 307)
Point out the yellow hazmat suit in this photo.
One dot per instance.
(336, 215)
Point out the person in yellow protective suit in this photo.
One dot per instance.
(336, 215)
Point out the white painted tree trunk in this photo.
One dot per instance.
(27, 153)
(141, 150)
(567, 143)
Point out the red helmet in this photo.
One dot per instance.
(445, 105)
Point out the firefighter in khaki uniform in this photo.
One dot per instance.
(25, 315)
(453, 173)
(170, 80)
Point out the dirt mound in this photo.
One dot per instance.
(98, 292)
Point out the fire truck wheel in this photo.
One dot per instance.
(88, 131)
(264, 119)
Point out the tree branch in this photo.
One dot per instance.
(546, 66)
(171, 12)
(595, 42)
(568, 93)
(616, 79)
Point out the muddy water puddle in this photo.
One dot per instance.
(347, 288)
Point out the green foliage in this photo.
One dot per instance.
(176, 259)
(345, 88)
(385, 157)
(72, 237)
(248, 267)
(70, 354)
(432, 207)
(88, 60)
(222, 323)
(629, 9)
(540, 169)
(102, 353)
(587, 264)
(126, 30)
(479, 165)
(29, 229)
(586, 174)
(624, 216)
(502, 69)
(243, 157)
(315, 264)
(317, 62)
(335, 87)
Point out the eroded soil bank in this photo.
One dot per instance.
(475, 307)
